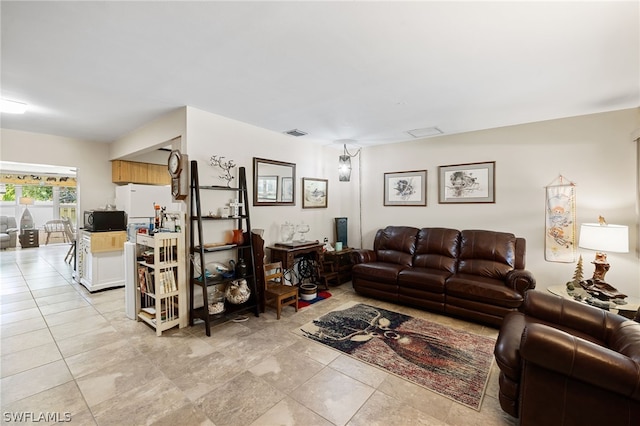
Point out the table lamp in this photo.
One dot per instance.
(26, 221)
(602, 238)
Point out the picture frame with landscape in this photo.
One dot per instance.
(467, 183)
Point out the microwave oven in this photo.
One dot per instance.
(105, 220)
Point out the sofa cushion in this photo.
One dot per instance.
(437, 248)
(487, 253)
(396, 244)
(483, 289)
(423, 279)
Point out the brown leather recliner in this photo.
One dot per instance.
(566, 363)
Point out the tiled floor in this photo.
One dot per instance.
(65, 350)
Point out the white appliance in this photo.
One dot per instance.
(137, 201)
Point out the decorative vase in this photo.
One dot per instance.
(237, 238)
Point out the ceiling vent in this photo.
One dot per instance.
(295, 132)
(427, 131)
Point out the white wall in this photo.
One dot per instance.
(209, 134)
(90, 158)
(595, 151)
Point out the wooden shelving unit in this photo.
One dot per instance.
(199, 246)
(161, 286)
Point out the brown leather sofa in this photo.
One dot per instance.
(474, 274)
(566, 363)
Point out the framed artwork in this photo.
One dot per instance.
(268, 188)
(405, 188)
(314, 193)
(467, 183)
(286, 189)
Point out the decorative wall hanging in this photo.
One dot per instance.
(467, 183)
(560, 221)
(405, 188)
(38, 179)
(314, 193)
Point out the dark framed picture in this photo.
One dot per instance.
(286, 189)
(267, 188)
(467, 183)
(405, 188)
(315, 193)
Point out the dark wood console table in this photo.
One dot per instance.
(287, 254)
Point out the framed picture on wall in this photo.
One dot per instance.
(405, 188)
(467, 183)
(315, 193)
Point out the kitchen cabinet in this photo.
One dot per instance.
(135, 172)
(101, 260)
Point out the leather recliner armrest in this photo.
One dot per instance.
(580, 359)
(520, 280)
(363, 256)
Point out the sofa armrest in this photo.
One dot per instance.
(363, 256)
(579, 359)
(11, 230)
(520, 280)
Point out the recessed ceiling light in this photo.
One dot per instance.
(427, 131)
(295, 132)
(12, 107)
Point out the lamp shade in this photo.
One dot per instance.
(344, 168)
(605, 238)
(26, 201)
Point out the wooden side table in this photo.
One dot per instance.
(29, 238)
(342, 263)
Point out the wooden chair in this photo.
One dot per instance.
(278, 294)
(326, 272)
(70, 235)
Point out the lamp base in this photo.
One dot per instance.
(601, 266)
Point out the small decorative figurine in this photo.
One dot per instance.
(226, 167)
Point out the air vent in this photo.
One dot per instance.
(295, 132)
(427, 131)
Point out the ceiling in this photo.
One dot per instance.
(364, 71)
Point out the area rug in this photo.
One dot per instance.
(451, 362)
(322, 295)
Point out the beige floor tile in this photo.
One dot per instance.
(229, 404)
(87, 341)
(333, 395)
(102, 357)
(384, 410)
(360, 371)
(87, 323)
(289, 412)
(17, 362)
(21, 305)
(16, 297)
(24, 326)
(26, 340)
(286, 370)
(34, 381)
(107, 383)
(140, 404)
(62, 399)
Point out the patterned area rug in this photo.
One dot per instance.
(451, 362)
